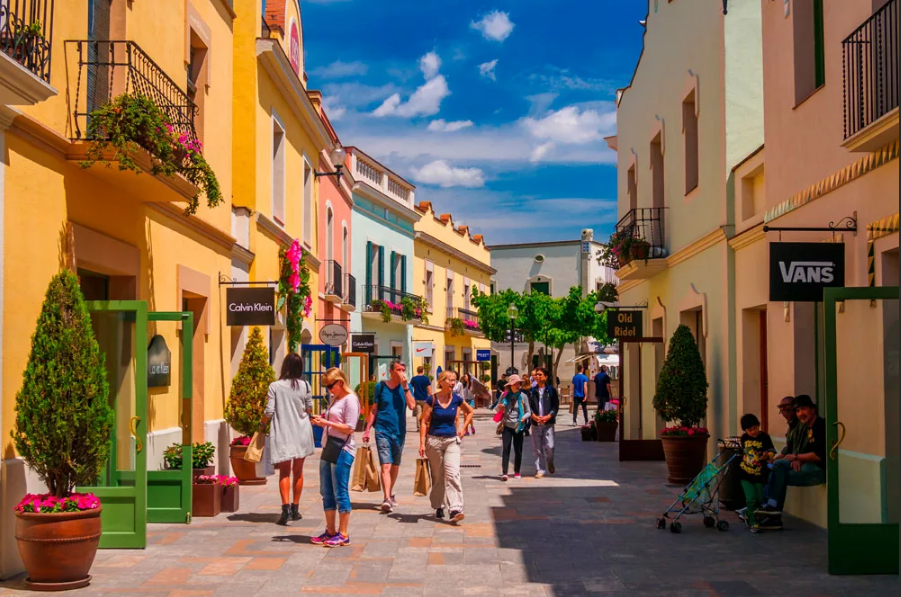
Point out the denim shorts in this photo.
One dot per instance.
(390, 449)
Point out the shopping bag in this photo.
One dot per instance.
(373, 477)
(361, 461)
(422, 482)
(255, 447)
(498, 416)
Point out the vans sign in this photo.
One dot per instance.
(800, 271)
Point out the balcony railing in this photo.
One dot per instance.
(26, 33)
(385, 294)
(350, 290)
(644, 226)
(470, 320)
(870, 69)
(107, 69)
(333, 279)
(450, 309)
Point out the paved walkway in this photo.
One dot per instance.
(588, 530)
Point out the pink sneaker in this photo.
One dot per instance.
(338, 540)
(321, 538)
(517, 476)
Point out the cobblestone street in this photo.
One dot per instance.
(587, 530)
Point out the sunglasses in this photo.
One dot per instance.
(331, 385)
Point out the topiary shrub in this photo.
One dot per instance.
(63, 415)
(682, 385)
(244, 409)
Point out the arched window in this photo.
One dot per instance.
(329, 234)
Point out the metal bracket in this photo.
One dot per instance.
(846, 224)
(226, 281)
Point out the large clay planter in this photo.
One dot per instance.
(607, 431)
(230, 498)
(58, 549)
(206, 500)
(685, 457)
(244, 470)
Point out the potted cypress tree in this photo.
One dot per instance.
(244, 409)
(681, 397)
(62, 432)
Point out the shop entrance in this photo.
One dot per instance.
(861, 347)
(131, 495)
(635, 448)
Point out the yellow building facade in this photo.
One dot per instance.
(449, 265)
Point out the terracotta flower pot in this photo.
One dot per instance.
(58, 549)
(685, 457)
(586, 431)
(245, 471)
(205, 471)
(640, 250)
(607, 431)
(230, 498)
(206, 500)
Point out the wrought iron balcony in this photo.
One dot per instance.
(350, 290)
(376, 294)
(334, 280)
(639, 235)
(26, 34)
(470, 320)
(870, 70)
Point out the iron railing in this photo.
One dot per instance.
(350, 290)
(470, 320)
(107, 69)
(333, 279)
(385, 294)
(450, 309)
(645, 227)
(870, 69)
(26, 34)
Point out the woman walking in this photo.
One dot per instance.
(465, 390)
(439, 441)
(339, 422)
(515, 406)
(288, 406)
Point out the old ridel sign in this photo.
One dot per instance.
(159, 363)
(800, 271)
(624, 324)
(250, 306)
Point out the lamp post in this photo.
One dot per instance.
(337, 157)
(512, 313)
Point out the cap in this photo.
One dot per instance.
(804, 400)
(513, 379)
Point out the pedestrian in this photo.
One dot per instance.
(515, 406)
(388, 415)
(544, 402)
(288, 406)
(757, 451)
(464, 389)
(422, 389)
(579, 383)
(499, 390)
(337, 457)
(602, 388)
(439, 441)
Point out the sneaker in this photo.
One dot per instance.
(768, 511)
(755, 528)
(439, 513)
(295, 513)
(321, 538)
(551, 468)
(387, 506)
(504, 477)
(338, 540)
(393, 501)
(456, 516)
(538, 475)
(517, 476)
(741, 513)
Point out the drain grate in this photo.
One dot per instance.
(470, 466)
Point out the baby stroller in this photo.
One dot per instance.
(702, 495)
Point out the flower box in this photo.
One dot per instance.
(206, 499)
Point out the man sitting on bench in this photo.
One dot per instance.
(805, 466)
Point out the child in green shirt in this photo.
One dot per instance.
(757, 450)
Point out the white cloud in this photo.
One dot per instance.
(389, 106)
(429, 64)
(486, 69)
(340, 70)
(495, 26)
(334, 110)
(440, 126)
(357, 95)
(442, 174)
(540, 151)
(570, 125)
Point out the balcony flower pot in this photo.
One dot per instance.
(206, 498)
(230, 499)
(58, 549)
(244, 470)
(640, 249)
(685, 454)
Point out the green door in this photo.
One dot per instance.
(861, 345)
(121, 331)
(169, 491)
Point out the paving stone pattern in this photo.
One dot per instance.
(588, 530)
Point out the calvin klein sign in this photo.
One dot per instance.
(800, 271)
(159, 363)
(250, 306)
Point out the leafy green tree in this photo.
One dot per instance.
(63, 415)
(247, 399)
(682, 385)
(492, 308)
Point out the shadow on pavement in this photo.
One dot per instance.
(253, 517)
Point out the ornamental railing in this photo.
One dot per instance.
(646, 226)
(470, 319)
(350, 290)
(870, 70)
(26, 34)
(386, 294)
(334, 281)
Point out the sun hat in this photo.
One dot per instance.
(513, 379)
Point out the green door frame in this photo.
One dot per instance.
(123, 494)
(169, 491)
(853, 548)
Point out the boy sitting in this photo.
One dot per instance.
(757, 450)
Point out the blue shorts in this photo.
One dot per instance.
(390, 449)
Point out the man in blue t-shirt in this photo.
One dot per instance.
(422, 390)
(388, 416)
(602, 387)
(579, 382)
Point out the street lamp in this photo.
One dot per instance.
(512, 313)
(337, 156)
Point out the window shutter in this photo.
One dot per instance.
(403, 273)
(381, 266)
(393, 270)
(368, 271)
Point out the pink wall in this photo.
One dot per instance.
(332, 199)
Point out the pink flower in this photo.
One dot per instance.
(294, 281)
(294, 254)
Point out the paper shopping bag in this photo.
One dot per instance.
(373, 477)
(361, 461)
(255, 447)
(422, 483)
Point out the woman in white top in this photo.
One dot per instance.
(288, 406)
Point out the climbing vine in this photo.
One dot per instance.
(294, 292)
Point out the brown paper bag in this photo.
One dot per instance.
(255, 447)
(422, 483)
(361, 461)
(373, 475)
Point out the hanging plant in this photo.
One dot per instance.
(133, 121)
(414, 307)
(456, 327)
(294, 292)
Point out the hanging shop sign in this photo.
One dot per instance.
(250, 306)
(423, 349)
(624, 324)
(800, 271)
(483, 356)
(362, 343)
(159, 363)
(333, 334)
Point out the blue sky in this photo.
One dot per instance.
(495, 110)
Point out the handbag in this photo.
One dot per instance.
(331, 451)
(254, 451)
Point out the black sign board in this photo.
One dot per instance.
(250, 306)
(624, 324)
(159, 363)
(362, 343)
(800, 271)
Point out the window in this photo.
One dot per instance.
(808, 44)
(690, 132)
(466, 293)
(345, 255)
(329, 234)
(542, 287)
(429, 284)
(278, 172)
(307, 204)
(753, 193)
(632, 188)
(398, 271)
(450, 295)
(657, 181)
(449, 356)
(493, 286)
(197, 79)
(375, 270)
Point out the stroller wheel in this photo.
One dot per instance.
(661, 523)
(676, 527)
(722, 525)
(709, 522)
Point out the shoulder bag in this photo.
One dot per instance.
(331, 451)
